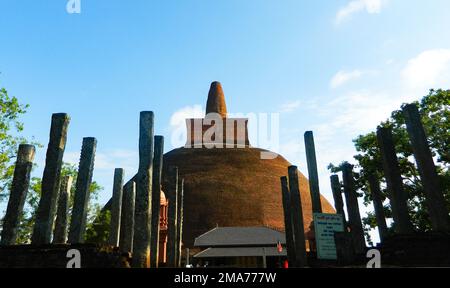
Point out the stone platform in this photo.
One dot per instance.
(55, 256)
(417, 250)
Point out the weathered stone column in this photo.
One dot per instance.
(398, 196)
(127, 217)
(337, 195)
(116, 207)
(142, 213)
(374, 186)
(172, 196)
(18, 193)
(156, 200)
(82, 191)
(180, 202)
(297, 218)
(354, 217)
(435, 200)
(344, 248)
(45, 214)
(290, 243)
(62, 214)
(312, 172)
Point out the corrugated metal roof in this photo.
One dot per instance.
(240, 252)
(240, 236)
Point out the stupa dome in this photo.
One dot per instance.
(229, 187)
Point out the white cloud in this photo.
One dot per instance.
(179, 116)
(72, 157)
(178, 123)
(356, 6)
(292, 150)
(430, 69)
(290, 106)
(342, 77)
(360, 111)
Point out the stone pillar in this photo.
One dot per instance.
(142, 213)
(337, 195)
(377, 198)
(62, 214)
(435, 200)
(354, 217)
(156, 200)
(398, 196)
(116, 207)
(18, 193)
(286, 197)
(172, 196)
(180, 202)
(82, 191)
(312, 172)
(45, 213)
(188, 262)
(297, 218)
(127, 217)
(344, 248)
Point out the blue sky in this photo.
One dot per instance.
(335, 67)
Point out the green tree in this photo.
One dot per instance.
(98, 228)
(435, 112)
(10, 127)
(34, 194)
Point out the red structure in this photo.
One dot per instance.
(163, 229)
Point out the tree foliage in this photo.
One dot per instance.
(435, 111)
(10, 127)
(99, 226)
(34, 194)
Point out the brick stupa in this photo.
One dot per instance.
(231, 187)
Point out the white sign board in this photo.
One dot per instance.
(325, 225)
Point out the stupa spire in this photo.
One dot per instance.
(216, 100)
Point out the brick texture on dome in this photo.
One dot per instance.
(233, 187)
